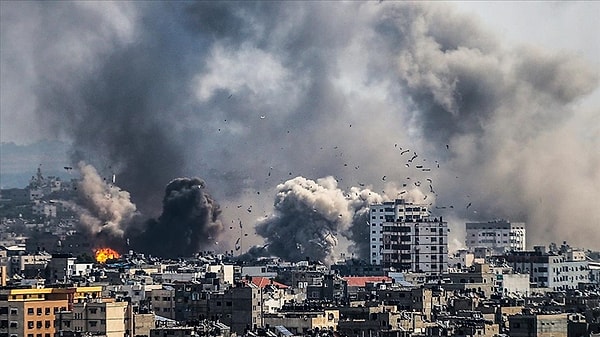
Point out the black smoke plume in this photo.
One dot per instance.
(189, 222)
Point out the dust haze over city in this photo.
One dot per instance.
(276, 124)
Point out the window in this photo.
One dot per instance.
(47, 324)
(14, 311)
(39, 311)
(93, 310)
(14, 324)
(93, 323)
(47, 311)
(38, 324)
(30, 324)
(29, 311)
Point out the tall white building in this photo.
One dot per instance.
(404, 238)
(499, 236)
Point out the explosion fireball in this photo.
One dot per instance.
(104, 254)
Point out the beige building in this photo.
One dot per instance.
(33, 312)
(163, 301)
(104, 317)
(552, 325)
(302, 321)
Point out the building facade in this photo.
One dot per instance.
(551, 270)
(403, 237)
(498, 236)
(33, 312)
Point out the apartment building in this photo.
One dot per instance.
(403, 237)
(499, 236)
(100, 317)
(551, 270)
(32, 312)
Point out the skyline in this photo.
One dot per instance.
(250, 96)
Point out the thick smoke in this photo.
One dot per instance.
(309, 215)
(248, 95)
(189, 222)
(103, 208)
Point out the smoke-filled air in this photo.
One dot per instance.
(297, 116)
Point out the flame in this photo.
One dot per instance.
(103, 254)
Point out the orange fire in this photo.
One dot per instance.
(103, 254)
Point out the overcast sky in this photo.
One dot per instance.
(498, 102)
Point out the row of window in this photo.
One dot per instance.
(39, 324)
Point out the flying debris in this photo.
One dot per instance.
(403, 152)
(469, 205)
(415, 155)
(263, 117)
(383, 178)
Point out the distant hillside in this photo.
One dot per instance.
(19, 162)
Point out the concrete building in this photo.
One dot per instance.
(61, 267)
(302, 319)
(29, 265)
(512, 284)
(404, 238)
(163, 301)
(499, 236)
(239, 307)
(100, 317)
(538, 325)
(44, 209)
(224, 272)
(33, 312)
(551, 270)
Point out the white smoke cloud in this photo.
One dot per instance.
(102, 206)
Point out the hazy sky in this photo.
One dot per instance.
(497, 103)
